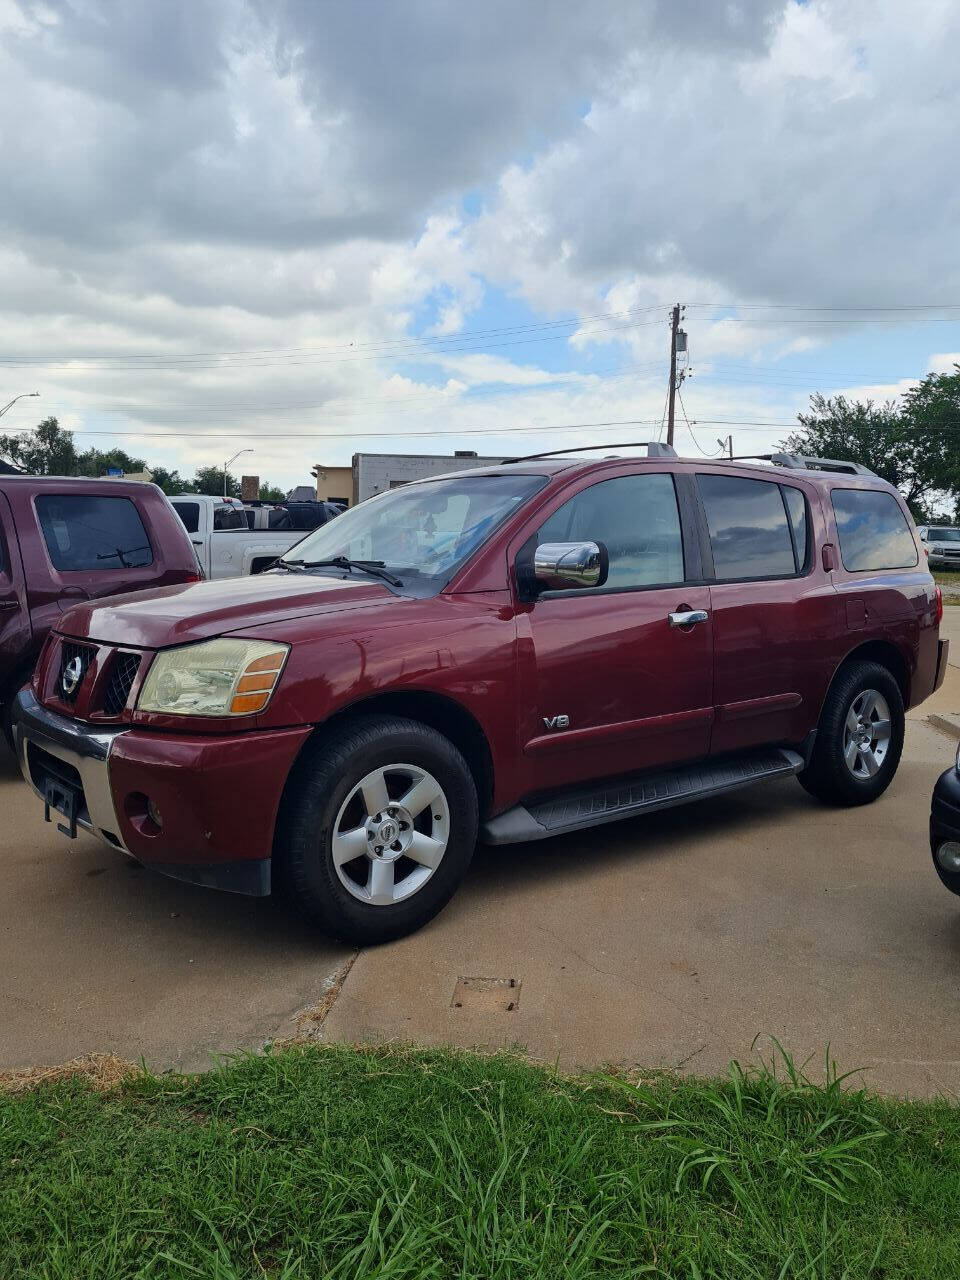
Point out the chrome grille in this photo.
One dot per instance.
(74, 661)
(123, 672)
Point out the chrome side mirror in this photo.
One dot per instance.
(565, 565)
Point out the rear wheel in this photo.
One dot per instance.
(859, 738)
(378, 829)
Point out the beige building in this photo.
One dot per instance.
(373, 473)
(334, 484)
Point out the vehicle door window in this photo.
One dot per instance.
(637, 519)
(873, 530)
(229, 518)
(87, 531)
(796, 505)
(749, 533)
(189, 513)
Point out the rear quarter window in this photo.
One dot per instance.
(85, 532)
(873, 530)
(189, 513)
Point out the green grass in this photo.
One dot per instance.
(329, 1163)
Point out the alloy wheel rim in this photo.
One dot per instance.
(866, 734)
(391, 834)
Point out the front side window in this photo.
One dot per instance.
(636, 518)
(873, 530)
(86, 531)
(749, 532)
(421, 533)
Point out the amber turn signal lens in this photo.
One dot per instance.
(244, 703)
(269, 662)
(254, 684)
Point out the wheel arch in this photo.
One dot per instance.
(440, 712)
(884, 652)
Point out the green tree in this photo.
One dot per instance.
(209, 480)
(97, 462)
(914, 444)
(170, 482)
(48, 450)
(270, 493)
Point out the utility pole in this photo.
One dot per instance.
(672, 392)
(725, 443)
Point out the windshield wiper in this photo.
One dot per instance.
(291, 566)
(374, 567)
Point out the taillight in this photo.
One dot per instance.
(939, 604)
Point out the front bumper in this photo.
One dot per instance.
(945, 824)
(218, 796)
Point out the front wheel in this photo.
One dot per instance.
(859, 738)
(378, 828)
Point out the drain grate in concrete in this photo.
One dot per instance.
(487, 995)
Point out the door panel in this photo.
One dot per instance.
(613, 687)
(773, 643)
(637, 692)
(772, 632)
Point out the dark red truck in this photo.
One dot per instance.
(511, 652)
(63, 540)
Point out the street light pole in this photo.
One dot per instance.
(227, 464)
(24, 396)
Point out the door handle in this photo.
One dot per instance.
(687, 617)
(9, 604)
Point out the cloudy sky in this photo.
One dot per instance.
(311, 227)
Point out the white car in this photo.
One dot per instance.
(942, 545)
(225, 544)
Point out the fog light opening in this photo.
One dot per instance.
(948, 856)
(144, 813)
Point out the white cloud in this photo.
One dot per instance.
(290, 180)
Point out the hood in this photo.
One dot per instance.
(166, 616)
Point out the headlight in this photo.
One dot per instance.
(215, 678)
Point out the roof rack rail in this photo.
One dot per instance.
(802, 462)
(653, 447)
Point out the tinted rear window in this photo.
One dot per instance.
(189, 513)
(873, 530)
(85, 532)
(748, 527)
(229, 518)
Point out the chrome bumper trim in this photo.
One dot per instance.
(88, 751)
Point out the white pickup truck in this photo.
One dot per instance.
(225, 544)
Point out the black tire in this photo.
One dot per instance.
(828, 776)
(327, 773)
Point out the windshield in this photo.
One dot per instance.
(943, 535)
(420, 532)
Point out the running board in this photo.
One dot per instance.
(660, 789)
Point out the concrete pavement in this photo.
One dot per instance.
(676, 942)
(98, 955)
(673, 943)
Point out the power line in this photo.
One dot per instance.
(690, 428)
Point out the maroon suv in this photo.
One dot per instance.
(512, 652)
(64, 540)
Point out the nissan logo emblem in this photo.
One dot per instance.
(71, 676)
